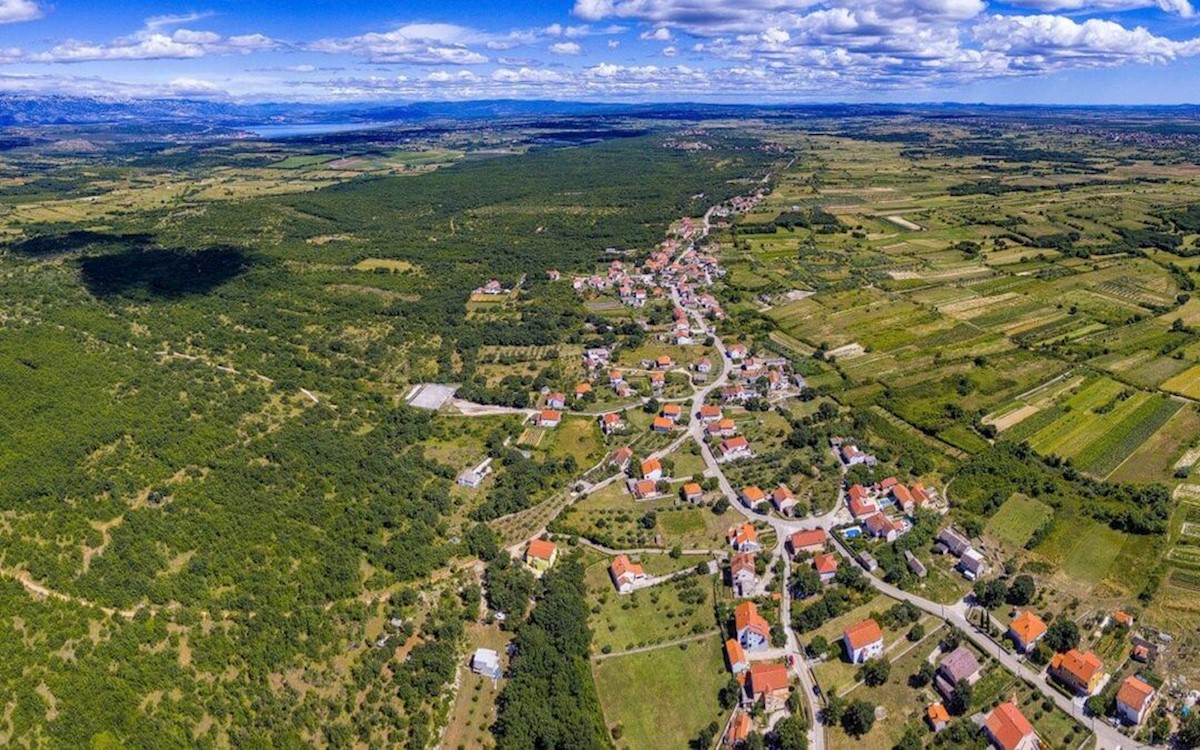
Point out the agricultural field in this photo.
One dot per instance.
(1017, 520)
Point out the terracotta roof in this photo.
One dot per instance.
(692, 488)
(753, 494)
(621, 566)
(1008, 726)
(742, 561)
(739, 728)
(768, 677)
(825, 564)
(734, 652)
(862, 634)
(735, 443)
(1123, 618)
(746, 616)
(611, 418)
(857, 492)
(550, 415)
(674, 409)
(937, 713)
(583, 388)
(802, 539)
(645, 487)
(781, 493)
(663, 361)
(663, 423)
(1134, 693)
(879, 524)
(710, 411)
(622, 454)
(888, 483)
(919, 494)
(651, 464)
(540, 548)
(1028, 626)
(1083, 667)
(744, 533)
(902, 495)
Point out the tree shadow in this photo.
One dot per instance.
(50, 245)
(164, 274)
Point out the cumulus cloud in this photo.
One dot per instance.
(415, 43)
(1048, 41)
(15, 11)
(661, 34)
(181, 44)
(566, 48)
(1182, 8)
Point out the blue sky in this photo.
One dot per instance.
(1041, 51)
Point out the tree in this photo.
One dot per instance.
(1021, 591)
(728, 695)
(875, 672)
(990, 594)
(818, 646)
(916, 633)
(960, 700)
(481, 542)
(910, 741)
(923, 676)
(859, 718)
(1188, 735)
(753, 741)
(1062, 635)
(791, 733)
(835, 709)
(806, 582)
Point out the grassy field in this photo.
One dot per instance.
(651, 616)
(1017, 519)
(662, 698)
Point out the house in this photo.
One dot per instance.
(915, 566)
(692, 492)
(652, 469)
(752, 629)
(937, 716)
(1081, 672)
(556, 400)
(704, 366)
(722, 428)
(662, 424)
(1008, 729)
(863, 640)
(582, 389)
(971, 564)
(1025, 630)
(887, 484)
(644, 488)
(953, 542)
(735, 655)
(709, 414)
(752, 496)
(826, 566)
(859, 503)
(1133, 700)
(958, 666)
(783, 500)
(486, 662)
(625, 573)
(808, 541)
(768, 683)
(663, 362)
(882, 527)
(742, 576)
(735, 448)
(868, 561)
(903, 498)
(739, 728)
(744, 538)
(735, 393)
(621, 457)
(611, 422)
(736, 351)
(657, 380)
(541, 555)
(1124, 619)
(672, 412)
(615, 378)
(549, 418)
(852, 456)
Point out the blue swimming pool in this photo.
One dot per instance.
(853, 532)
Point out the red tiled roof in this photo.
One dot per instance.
(644, 488)
(1083, 667)
(1008, 726)
(825, 564)
(663, 423)
(650, 465)
(802, 539)
(692, 488)
(862, 634)
(734, 652)
(937, 713)
(739, 728)
(768, 677)
(1027, 626)
(902, 495)
(621, 565)
(1134, 693)
(549, 415)
(753, 494)
(541, 549)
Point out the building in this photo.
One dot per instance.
(473, 478)
(709, 414)
(735, 655)
(582, 389)
(863, 640)
(744, 538)
(937, 716)
(662, 424)
(915, 566)
(752, 629)
(1081, 672)
(859, 502)
(644, 488)
(556, 400)
(868, 561)
(541, 555)
(808, 541)
(742, 576)
(735, 448)
(672, 412)
(739, 729)
(1008, 729)
(486, 662)
(768, 684)
(881, 527)
(692, 492)
(611, 422)
(783, 499)
(958, 666)
(625, 573)
(1123, 619)
(826, 566)
(852, 456)
(549, 418)
(736, 351)
(652, 469)
(1025, 630)
(971, 564)
(752, 496)
(722, 428)
(621, 457)
(953, 542)
(1134, 698)
(903, 498)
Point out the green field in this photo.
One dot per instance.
(1017, 519)
(662, 698)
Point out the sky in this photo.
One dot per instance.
(754, 51)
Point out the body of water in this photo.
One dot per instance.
(298, 130)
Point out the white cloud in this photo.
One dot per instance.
(182, 44)
(154, 23)
(661, 34)
(669, 52)
(417, 43)
(1049, 42)
(15, 11)
(1182, 8)
(614, 43)
(566, 48)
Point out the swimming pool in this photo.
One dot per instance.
(853, 532)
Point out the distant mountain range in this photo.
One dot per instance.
(18, 110)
